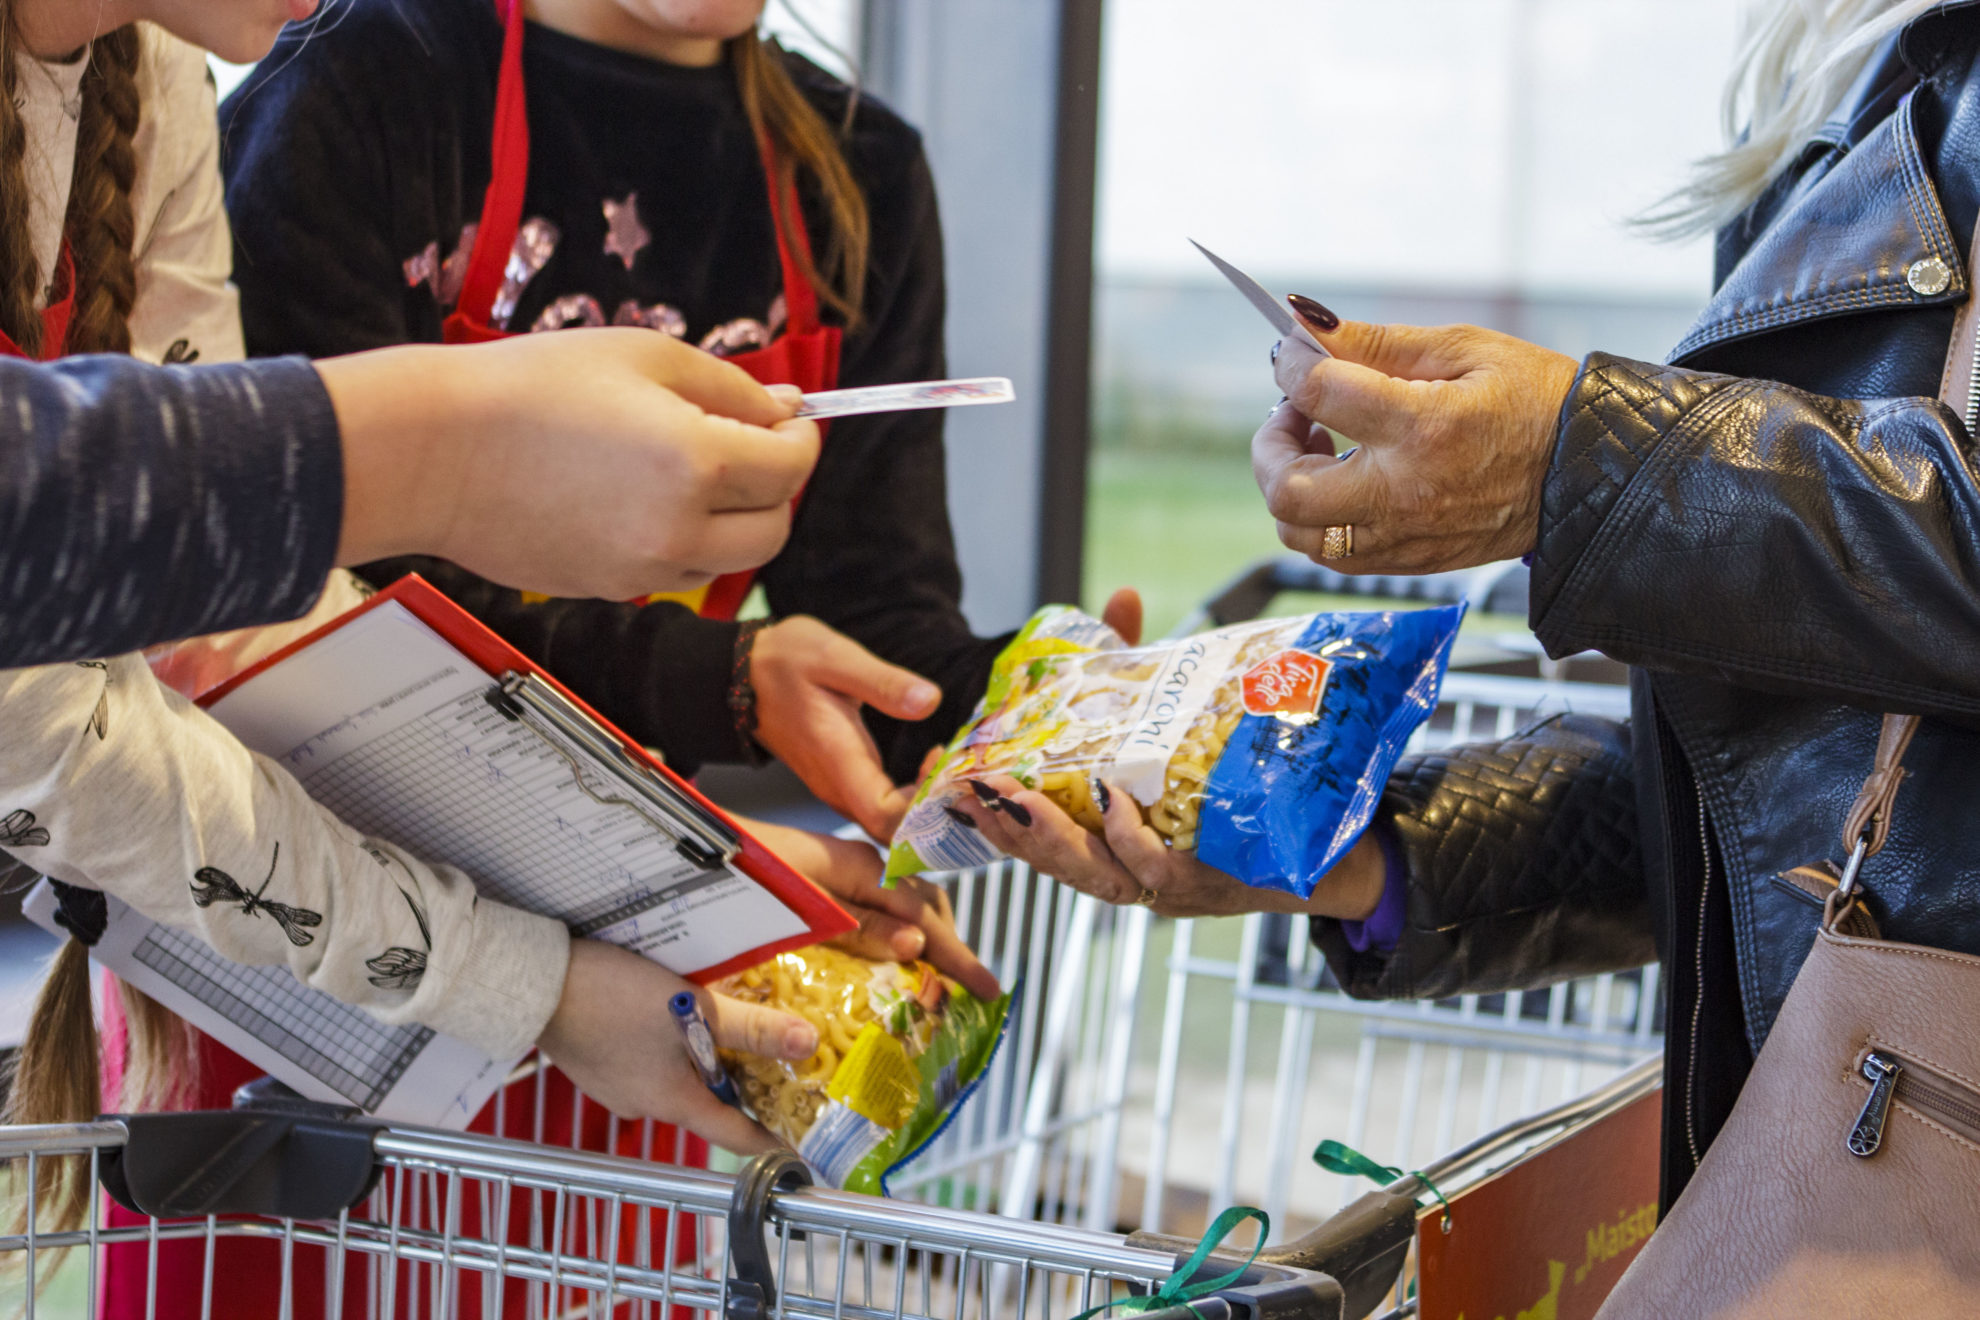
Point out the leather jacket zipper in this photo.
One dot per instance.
(1949, 1103)
(1698, 995)
(1972, 418)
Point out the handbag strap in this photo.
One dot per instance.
(1869, 820)
(1868, 823)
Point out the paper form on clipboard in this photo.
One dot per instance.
(415, 724)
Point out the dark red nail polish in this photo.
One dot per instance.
(1315, 315)
(959, 817)
(1017, 813)
(983, 791)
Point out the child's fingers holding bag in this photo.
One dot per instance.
(755, 1029)
(615, 1037)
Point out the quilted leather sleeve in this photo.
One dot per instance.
(1523, 867)
(1752, 533)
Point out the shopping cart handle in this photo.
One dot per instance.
(1363, 1246)
(1272, 1287)
(302, 1161)
(752, 1289)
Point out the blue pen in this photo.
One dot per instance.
(701, 1046)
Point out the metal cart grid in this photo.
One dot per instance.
(752, 1246)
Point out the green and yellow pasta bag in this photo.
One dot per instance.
(1261, 747)
(900, 1048)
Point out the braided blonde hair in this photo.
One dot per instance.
(100, 224)
(54, 1076)
(1796, 61)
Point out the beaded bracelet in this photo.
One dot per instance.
(742, 693)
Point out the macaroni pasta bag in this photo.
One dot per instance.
(1262, 747)
(900, 1047)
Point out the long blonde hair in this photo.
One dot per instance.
(1796, 60)
(804, 141)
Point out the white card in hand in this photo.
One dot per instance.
(902, 398)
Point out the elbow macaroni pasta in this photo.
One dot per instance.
(897, 1045)
(834, 992)
(1071, 715)
(1330, 700)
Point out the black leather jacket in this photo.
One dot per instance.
(1780, 562)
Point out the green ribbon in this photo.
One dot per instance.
(1339, 1157)
(1179, 1291)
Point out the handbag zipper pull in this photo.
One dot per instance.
(1868, 1134)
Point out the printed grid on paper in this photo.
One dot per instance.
(465, 783)
(345, 1048)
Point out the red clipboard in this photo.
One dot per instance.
(822, 916)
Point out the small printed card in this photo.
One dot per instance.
(903, 398)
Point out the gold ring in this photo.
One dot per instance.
(1147, 898)
(1337, 542)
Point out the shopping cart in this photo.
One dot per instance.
(366, 1220)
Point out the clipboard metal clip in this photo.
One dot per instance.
(701, 836)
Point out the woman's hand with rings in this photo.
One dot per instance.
(1133, 865)
(1456, 430)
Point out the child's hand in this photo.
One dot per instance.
(811, 683)
(615, 1037)
(607, 462)
(911, 920)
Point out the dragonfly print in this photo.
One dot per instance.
(18, 830)
(212, 885)
(99, 719)
(400, 968)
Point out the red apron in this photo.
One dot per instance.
(805, 355)
(544, 1108)
(54, 317)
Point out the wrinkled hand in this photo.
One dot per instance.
(1133, 858)
(811, 682)
(1455, 426)
(615, 1037)
(911, 920)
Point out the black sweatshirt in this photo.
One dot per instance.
(358, 152)
(141, 504)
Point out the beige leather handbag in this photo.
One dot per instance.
(1847, 1181)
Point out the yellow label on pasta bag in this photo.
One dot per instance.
(875, 1080)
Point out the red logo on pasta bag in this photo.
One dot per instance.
(1289, 683)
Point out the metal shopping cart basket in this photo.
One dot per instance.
(361, 1219)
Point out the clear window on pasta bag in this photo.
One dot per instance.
(900, 1048)
(1261, 747)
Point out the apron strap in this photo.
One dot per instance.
(800, 299)
(55, 316)
(508, 176)
(508, 179)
